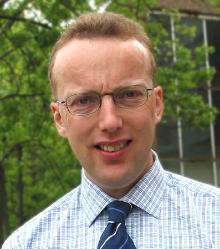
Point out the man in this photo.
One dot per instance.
(107, 106)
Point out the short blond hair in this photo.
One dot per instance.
(107, 25)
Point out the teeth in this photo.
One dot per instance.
(113, 148)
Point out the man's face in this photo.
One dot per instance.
(102, 65)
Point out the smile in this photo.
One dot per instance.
(112, 148)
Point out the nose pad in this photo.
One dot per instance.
(109, 118)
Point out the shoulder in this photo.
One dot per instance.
(194, 187)
(198, 194)
(194, 204)
(45, 222)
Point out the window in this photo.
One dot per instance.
(191, 151)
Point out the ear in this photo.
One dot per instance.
(58, 119)
(159, 106)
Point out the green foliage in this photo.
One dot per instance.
(215, 3)
(39, 166)
(184, 79)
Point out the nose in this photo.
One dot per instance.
(109, 118)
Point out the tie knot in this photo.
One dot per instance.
(118, 211)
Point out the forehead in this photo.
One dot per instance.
(101, 60)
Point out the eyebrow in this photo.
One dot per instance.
(85, 92)
(81, 93)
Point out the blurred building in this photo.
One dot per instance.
(193, 152)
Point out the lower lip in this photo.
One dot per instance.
(114, 156)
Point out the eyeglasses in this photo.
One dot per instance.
(83, 104)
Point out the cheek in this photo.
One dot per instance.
(76, 138)
(78, 132)
(144, 121)
(145, 127)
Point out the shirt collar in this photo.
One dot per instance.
(94, 200)
(146, 194)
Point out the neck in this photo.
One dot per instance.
(118, 193)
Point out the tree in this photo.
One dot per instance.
(36, 166)
(215, 3)
(188, 70)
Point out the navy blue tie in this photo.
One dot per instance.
(115, 235)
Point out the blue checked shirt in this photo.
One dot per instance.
(171, 212)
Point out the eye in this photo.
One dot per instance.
(129, 93)
(83, 104)
(82, 101)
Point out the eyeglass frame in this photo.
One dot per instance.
(100, 96)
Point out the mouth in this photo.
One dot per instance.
(112, 148)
